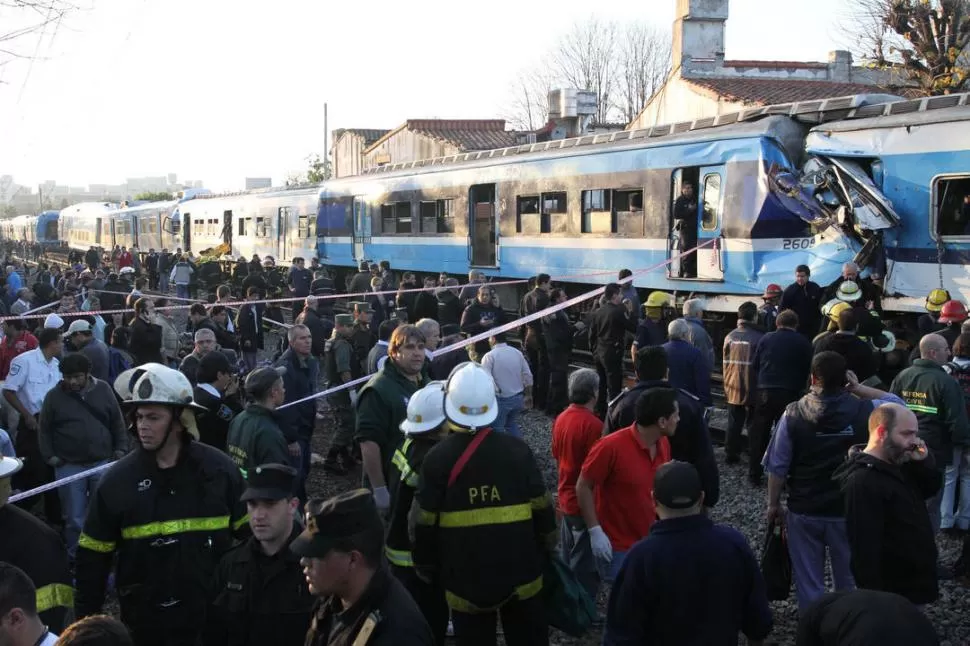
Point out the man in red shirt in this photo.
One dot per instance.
(620, 468)
(16, 341)
(574, 433)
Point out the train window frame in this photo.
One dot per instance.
(261, 227)
(445, 212)
(554, 221)
(715, 222)
(528, 206)
(242, 226)
(935, 206)
(588, 223)
(428, 216)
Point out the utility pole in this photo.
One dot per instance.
(326, 149)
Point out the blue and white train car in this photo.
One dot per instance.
(917, 154)
(584, 208)
(87, 224)
(47, 231)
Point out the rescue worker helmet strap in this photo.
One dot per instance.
(470, 399)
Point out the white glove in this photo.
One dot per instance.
(600, 542)
(383, 498)
(353, 398)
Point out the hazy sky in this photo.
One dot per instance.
(221, 90)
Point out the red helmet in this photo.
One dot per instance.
(771, 291)
(953, 312)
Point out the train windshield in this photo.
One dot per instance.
(837, 191)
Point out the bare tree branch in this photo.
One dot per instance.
(645, 58)
(587, 58)
(925, 40)
(529, 105)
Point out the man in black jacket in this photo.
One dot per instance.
(779, 372)
(607, 332)
(320, 329)
(249, 327)
(692, 440)
(481, 316)
(809, 444)
(885, 486)
(300, 381)
(260, 594)
(864, 618)
(804, 298)
(217, 391)
(145, 344)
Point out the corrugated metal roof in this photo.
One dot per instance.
(775, 91)
(465, 134)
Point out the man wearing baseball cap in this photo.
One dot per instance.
(703, 580)
(342, 553)
(260, 593)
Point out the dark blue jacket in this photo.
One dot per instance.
(782, 361)
(689, 369)
(648, 333)
(300, 280)
(690, 443)
(689, 583)
(299, 381)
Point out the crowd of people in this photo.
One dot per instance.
(187, 462)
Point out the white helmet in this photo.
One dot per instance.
(849, 291)
(470, 400)
(126, 270)
(10, 466)
(426, 409)
(125, 382)
(166, 387)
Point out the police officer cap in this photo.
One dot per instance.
(10, 466)
(677, 485)
(261, 380)
(340, 517)
(344, 319)
(270, 482)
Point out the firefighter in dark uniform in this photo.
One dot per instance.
(28, 543)
(608, 327)
(484, 520)
(260, 591)
(535, 341)
(342, 366)
(360, 601)
(167, 511)
(423, 428)
(363, 338)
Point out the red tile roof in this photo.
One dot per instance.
(798, 65)
(466, 134)
(763, 91)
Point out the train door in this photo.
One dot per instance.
(97, 231)
(710, 208)
(282, 232)
(135, 228)
(482, 229)
(361, 228)
(227, 230)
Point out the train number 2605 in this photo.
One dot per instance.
(798, 243)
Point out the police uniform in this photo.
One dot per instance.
(484, 536)
(385, 614)
(340, 359)
(363, 338)
(30, 378)
(39, 551)
(260, 598)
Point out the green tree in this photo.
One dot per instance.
(155, 197)
(319, 169)
(64, 203)
(926, 41)
(9, 211)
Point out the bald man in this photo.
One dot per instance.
(941, 410)
(890, 536)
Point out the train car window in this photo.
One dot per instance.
(311, 227)
(387, 218)
(262, 227)
(712, 202)
(402, 217)
(446, 216)
(242, 224)
(554, 213)
(213, 227)
(951, 203)
(628, 212)
(428, 212)
(597, 211)
(527, 214)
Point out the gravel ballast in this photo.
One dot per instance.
(740, 506)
